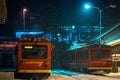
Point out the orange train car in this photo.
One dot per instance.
(33, 58)
(91, 58)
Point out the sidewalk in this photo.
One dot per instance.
(115, 75)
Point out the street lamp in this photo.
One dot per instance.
(100, 13)
(24, 10)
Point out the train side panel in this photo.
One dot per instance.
(77, 60)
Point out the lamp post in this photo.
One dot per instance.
(24, 10)
(100, 14)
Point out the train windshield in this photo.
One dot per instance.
(36, 51)
(100, 54)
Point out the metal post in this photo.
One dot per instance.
(100, 20)
(23, 21)
(100, 16)
(24, 10)
(100, 24)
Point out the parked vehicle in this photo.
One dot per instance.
(33, 57)
(90, 58)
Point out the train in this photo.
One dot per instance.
(33, 56)
(91, 58)
(29, 57)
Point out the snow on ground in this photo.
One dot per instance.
(67, 75)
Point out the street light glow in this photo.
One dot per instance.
(87, 6)
(100, 14)
(24, 9)
(73, 27)
(112, 6)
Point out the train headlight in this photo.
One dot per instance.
(109, 62)
(22, 62)
(46, 63)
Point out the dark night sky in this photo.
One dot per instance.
(61, 12)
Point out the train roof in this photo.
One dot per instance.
(91, 46)
(98, 46)
(34, 38)
(115, 44)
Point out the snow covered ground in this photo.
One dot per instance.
(67, 75)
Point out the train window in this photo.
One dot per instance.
(100, 54)
(36, 51)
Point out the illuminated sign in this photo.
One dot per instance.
(19, 34)
(7, 45)
(115, 58)
(114, 43)
(28, 47)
